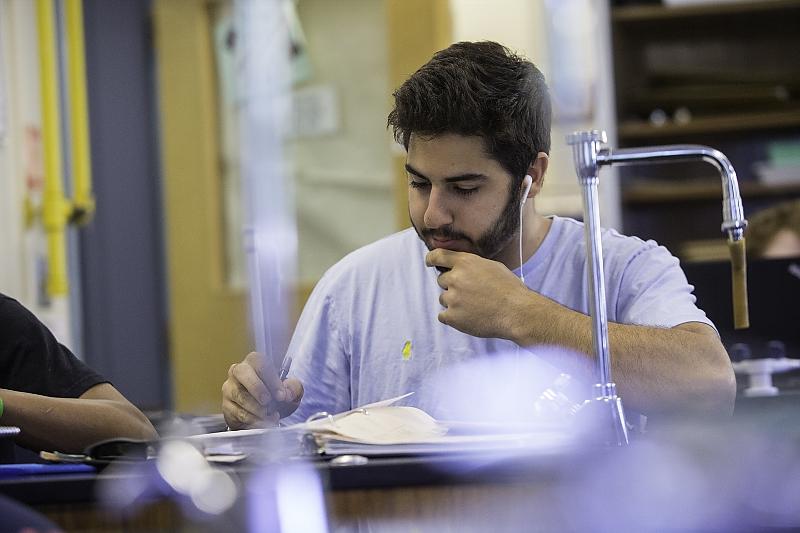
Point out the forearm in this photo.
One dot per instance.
(71, 424)
(682, 369)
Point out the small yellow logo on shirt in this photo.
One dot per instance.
(407, 351)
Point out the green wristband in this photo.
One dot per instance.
(1, 407)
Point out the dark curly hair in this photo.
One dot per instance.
(483, 89)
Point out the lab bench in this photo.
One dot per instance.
(687, 476)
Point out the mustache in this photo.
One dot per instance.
(445, 233)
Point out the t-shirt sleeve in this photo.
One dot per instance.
(319, 357)
(33, 361)
(654, 291)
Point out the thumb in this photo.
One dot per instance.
(293, 390)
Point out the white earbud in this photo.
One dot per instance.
(527, 182)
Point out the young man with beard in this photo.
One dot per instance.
(475, 121)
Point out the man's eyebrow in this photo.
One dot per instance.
(450, 179)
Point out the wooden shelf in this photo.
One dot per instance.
(734, 65)
(648, 13)
(661, 192)
(634, 130)
(719, 98)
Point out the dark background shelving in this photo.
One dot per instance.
(732, 70)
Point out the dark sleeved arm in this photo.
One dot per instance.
(32, 360)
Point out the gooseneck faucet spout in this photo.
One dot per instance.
(589, 154)
(733, 221)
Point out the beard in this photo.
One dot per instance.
(491, 243)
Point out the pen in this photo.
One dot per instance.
(287, 364)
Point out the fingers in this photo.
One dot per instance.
(246, 399)
(241, 411)
(239, 408)
(443, 280)
(236, 393)
(238, 405)
(237, 417)
(267, 375)
(246, 374)
(440, 257)
(254, 396)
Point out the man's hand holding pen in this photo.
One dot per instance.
(255, 395)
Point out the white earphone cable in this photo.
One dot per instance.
(527, 182)
(521, 274)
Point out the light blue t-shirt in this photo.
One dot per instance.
(348, 347)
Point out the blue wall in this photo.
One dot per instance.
(122, 260)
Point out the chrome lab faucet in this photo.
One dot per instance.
(589, 154)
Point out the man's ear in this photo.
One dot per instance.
(537, 170)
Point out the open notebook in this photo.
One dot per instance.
(382, 428)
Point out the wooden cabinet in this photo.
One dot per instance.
(725, 75)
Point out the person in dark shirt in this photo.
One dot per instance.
(58, 402)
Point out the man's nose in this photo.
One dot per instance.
(437, 213)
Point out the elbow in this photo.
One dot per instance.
(135, 425)
(712, 381)
(147, 431)
(724, 389)
(144, 428)
(718, 395)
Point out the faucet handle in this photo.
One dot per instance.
(579, 137)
